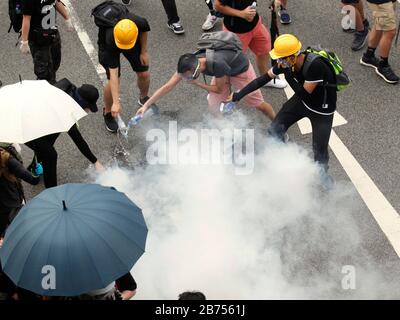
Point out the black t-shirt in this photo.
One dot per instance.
(43, 13)
(107, 44)
(235, 24)
(380, 1)
(319, 72)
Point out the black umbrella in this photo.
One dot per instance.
(274, 30)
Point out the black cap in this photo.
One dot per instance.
(91, 95)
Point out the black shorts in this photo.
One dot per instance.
(350, 1)
(133, 57)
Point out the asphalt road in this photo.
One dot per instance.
(370, 106)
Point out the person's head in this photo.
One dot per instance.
(192, 295)
(286, 50)
(125, 34)
(189, 66)
(87, 96)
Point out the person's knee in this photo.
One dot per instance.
(143, 75)
(389, 34)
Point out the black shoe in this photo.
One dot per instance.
(176, 27)
(372, 62)
(142, 101)
(366, 24)
(360, 39)
(111, 124)
(387, 74)
(126, 2)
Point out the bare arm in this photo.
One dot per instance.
(62, 9)
(161, 92)
(26, 25)
(143, 41)
(218, 87)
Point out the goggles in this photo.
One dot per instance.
(195, 74)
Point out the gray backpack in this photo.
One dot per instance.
(215, 41)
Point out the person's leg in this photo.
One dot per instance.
(260, 45)
(361, 25)
(171, 10)
(143, 83)
(55, 57)
(321, 132)
(291, 112)
(212, 18)
(48, 155)
(41, 61)
(283, 12)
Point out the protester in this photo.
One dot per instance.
(243, 20)
(382, 36)
(174, 22)
(227, 67)
(12, 195)
(129, 38)
(212, 17)
(192, 295)
(361, 24)
(86, 96)
(40, 35)
(312, 99)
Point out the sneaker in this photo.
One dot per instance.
(176, 27)
(387, 74)
(142, 101)
(284, 15)
(372, 62)
(277, 83)
(111, 123)
(360, 39)
(126, 2)
(286, 138)
(327, 182)
(210, 22)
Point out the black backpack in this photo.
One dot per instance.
(108, 13)
(15, 13)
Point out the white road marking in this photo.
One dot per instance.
(381, 209)
(383, 212)
(85, 40)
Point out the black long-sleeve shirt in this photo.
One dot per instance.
(81, 144)
(10, 193)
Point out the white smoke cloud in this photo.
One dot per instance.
(274, 234)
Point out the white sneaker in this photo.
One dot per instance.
(210, 22)
(277, 83)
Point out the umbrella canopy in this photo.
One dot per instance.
(86, 235)
(33, 108)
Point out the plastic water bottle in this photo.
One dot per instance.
(227, 107)
(123, 129)
(39, 169)
(152, 110)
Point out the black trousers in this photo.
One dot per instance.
(46, 59)
(47, 155)
(171, 10)
(293, 111)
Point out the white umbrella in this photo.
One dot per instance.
(33, 108)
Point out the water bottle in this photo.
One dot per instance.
(152, 110)
(134, 121)
(123, 129)
(227, 107)
(253, 5)
(38, 169)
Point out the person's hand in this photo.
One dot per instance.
(1, 242)
(116, 109)
(229, 99)
(249, 14)
(99, 167)
(24, 47)
(144, 58)
(141, 111)
(69, 25)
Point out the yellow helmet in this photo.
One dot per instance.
(285, 46)
(125, 34)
